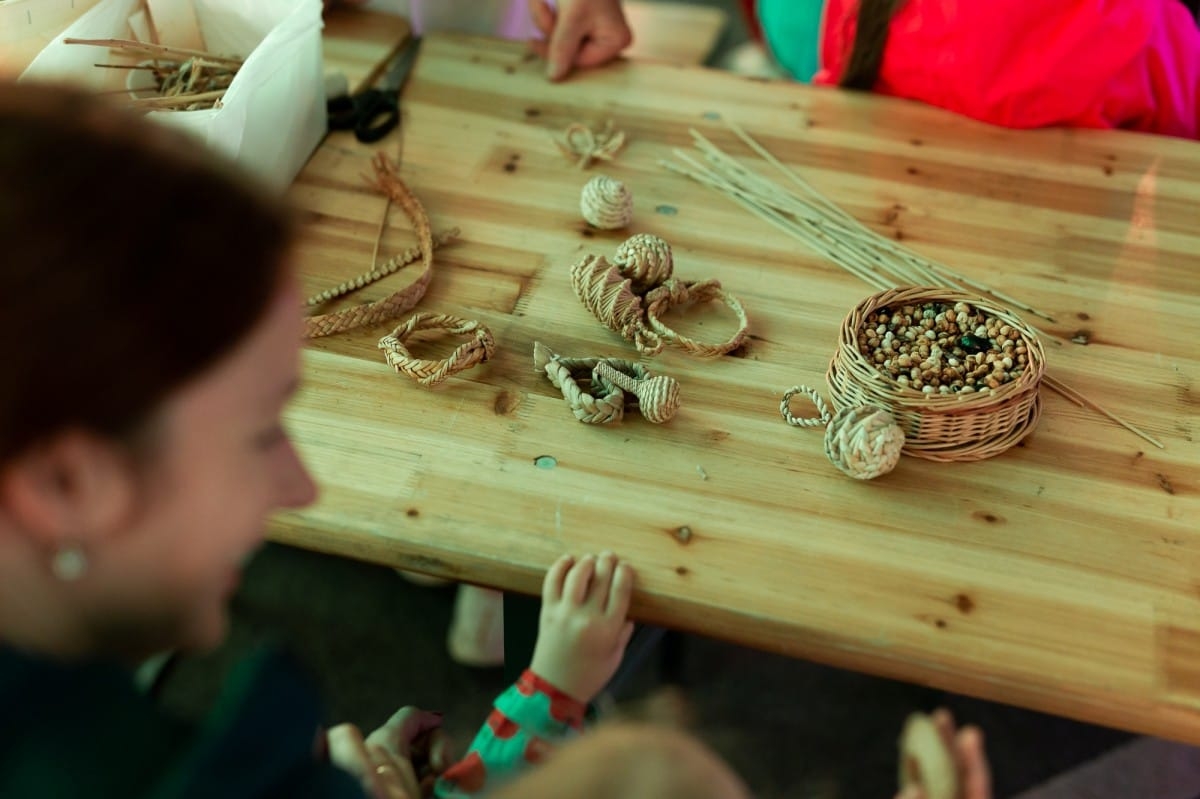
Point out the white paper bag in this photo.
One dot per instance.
(272, 115)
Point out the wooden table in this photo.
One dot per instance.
(1061, 575)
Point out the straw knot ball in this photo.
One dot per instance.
(606, 203)
(864, 442)
(644, 259)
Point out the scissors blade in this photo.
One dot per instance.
(400, 67)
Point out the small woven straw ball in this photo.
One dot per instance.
(644, 259)
(606, 203)
(864, 442)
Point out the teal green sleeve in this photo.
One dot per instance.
(792, 29)
(527, 721)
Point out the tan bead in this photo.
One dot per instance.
(606, 203)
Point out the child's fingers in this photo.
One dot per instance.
(620, 591)
(606, 564)
(944, 722)
(977, 774)
(575, 587)
(552, 585)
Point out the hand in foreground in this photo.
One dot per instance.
(966, 748)
(580, 33)
(415, 737)
(583, 632)
(382, 774)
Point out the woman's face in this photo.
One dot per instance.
(222, 465)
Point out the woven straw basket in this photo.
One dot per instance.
(949, 427)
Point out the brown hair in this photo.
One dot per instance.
(131, 257)
(870, 40)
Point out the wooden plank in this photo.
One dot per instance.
(1059, 576)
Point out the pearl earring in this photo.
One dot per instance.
(69, 563)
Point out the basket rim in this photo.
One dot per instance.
(1029, 379)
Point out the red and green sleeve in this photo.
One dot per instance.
(526, 722)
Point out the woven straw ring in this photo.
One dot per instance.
(674, 292)
(785, 408)
(480, 347)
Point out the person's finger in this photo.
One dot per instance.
(606, 564)
(600, 49)
(347, 750)
(405, 726)
(390, 777)
(564, 44)
(552, 585)
(543, 16)
(943, 721)
(977, 774)
(441, 751)
(620, 591)
(578, 579)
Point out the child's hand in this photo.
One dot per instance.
(966, 748)
(583, 632)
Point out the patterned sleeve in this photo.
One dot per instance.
(526, 722)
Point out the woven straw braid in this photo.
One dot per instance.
(387, 180)
(479, 348)
(607, 291)
(955, 427)
(657, 395)
(607, 404)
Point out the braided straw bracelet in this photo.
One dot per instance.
(388, 181)
(480, 347)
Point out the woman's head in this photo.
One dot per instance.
(153, 337)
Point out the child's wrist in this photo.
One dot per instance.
(567, 707)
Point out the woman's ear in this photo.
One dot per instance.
(76, 488)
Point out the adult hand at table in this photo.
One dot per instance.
(416, 737)
(382, 774)
(966, 746)
(579, 33)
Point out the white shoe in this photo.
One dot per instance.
(476, 636)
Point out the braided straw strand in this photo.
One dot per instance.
(479, 348)
(587, 408)
(785, 408)
(658, 395)
(388, 267)
(387, 180)
(675, 292)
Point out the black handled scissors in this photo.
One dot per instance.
(374, 113)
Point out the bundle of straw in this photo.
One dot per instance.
(184, 80)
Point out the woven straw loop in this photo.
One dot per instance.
(479, 347)
(949, 427)
(675, 293)
(785, 408)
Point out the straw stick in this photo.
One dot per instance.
(159, 50)
(1083, 402)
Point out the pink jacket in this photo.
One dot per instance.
(1027, 63)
